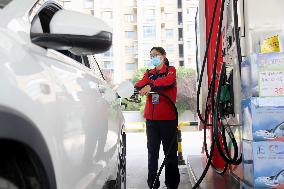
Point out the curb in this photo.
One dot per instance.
(135, 127)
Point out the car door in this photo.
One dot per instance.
(115, 117)
(83, 117)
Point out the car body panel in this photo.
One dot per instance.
(68, 104)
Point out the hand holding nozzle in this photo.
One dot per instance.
(145, 90)
(134, 98)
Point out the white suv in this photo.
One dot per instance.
(60, 124)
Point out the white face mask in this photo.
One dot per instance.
(156, 61)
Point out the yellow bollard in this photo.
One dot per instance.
(180, 156)
(180, 125)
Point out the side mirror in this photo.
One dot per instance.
(125, 89)
(79, 33)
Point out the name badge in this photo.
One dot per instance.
(155, 99)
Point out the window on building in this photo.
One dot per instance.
(129, 50)
(180, 48)
(179, 17)
(129, 34)
(108, 65)
(131, 66)
(180, 34)
(191, 12)
(106, 3)
(169, 16)
(147, 3)
(129, 18)
(181, 63)
(190, 46)
(149, 15)
(149, 32)
(169, 33)
(107, 14)
(170, 48)
(191, 28)
(170, 1)
(131, 2)
(179, 3)
(88, 4)
(108, 53)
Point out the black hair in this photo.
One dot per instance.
(163, 52)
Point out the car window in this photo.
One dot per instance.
(3, 3)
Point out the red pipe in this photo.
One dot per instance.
(209, 6)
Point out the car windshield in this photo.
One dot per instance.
(3, 3)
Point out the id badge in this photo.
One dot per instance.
(155, 99)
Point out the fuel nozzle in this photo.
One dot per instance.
(135, 97)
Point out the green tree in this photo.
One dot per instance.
(138, 74)
(186, 87)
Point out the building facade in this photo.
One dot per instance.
(138, 25)
(189, 13)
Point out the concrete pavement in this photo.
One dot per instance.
(137, 159)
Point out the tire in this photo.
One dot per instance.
(18, 169)
(6, 184)
(121, 174)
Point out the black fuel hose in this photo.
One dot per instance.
(174, 138)
(215, 131)
(225, 154)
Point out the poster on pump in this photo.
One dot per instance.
(263, 164)
(263, 75)
(263, 119)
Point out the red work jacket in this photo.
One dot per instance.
(163, 82)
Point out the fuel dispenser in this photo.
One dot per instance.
(236, 29)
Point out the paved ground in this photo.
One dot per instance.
(137, 159)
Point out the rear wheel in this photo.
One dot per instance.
(19, 168)
(121, 174)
